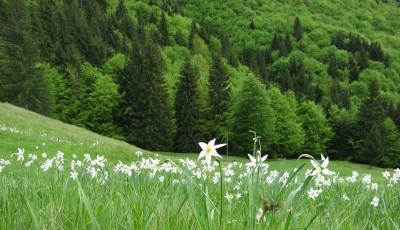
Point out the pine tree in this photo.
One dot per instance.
(144, 114)
(353, 69)
(396, 116)
(268, 57)
(363, 64)
(372, 147)
(226, 49)
(341, 145)
(21, 81)
(333, 70)
(193, 32)
(252, 25)
(339, 95)
(371, 115)
(391, 156)
(251, 111)
(338, 40)
(288, 43)
(163, 28)
(187, 110)
(219, 95)
(276, 42)
(297, 29)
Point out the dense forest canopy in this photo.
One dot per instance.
(307, 76)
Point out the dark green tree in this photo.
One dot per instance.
(192, 34)
(363, 63)
(333, 69)
(338, 40)
(187, 110)
(276, 42)
(297, 29)
(144, 114)
(163, 28)
(353, 69)
(288, 43)
(21, 81)
(219, 95)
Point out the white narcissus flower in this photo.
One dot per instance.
(375, 202)
(209, 150)
(318, 168)
(256, 161)
(20, 154)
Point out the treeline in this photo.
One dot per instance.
(150, 74)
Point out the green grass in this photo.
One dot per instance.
(31, 198)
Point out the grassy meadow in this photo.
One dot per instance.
(87, 181)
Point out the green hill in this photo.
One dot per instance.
(20, 128)
(37, 133)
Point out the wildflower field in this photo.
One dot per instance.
(54, 176)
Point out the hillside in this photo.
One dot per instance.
(20, 128)
(308, 77)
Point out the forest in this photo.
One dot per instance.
(308, 76)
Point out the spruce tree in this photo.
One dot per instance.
(288, 43)
(219, 96)
(22, 83)
(268, 57)
(363, 59)
(163, 28)
(144, 114)
(391, 156)
(333, 70)
(354, 70)
(276, 42)
(251, 111)
(297, 29)
(372, 147)
(187, 110)
(338, 40)
(192, 34)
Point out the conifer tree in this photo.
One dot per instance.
(276, 42)
(163, 28)
(193, 32)
(252, 25)
(354, 70)
(21, 81)
(288, 43)
(226, 49)
(144, 114)
(297, 29)
(219, 95)
(391, 156)
(333, 67)
(363, 59)
(338, 41)
(268, 56)
(187, 110)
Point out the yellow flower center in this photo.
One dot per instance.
(208, 149)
